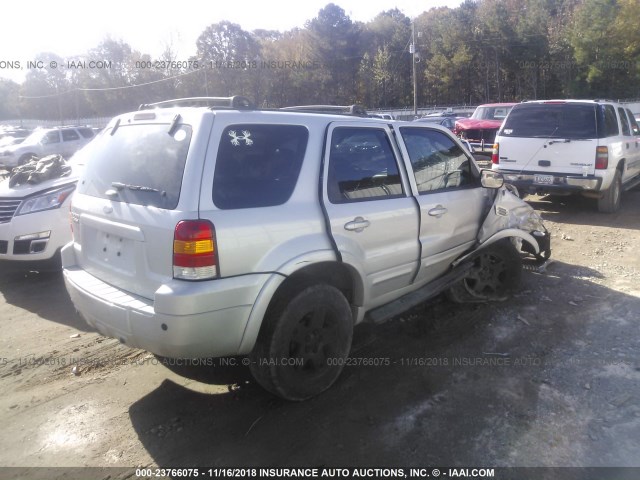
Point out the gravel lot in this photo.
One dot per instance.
(548, 378)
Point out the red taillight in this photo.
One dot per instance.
(495, 155)
(194, 250)
(602, 158)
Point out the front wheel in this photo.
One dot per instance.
(496, 272)
(302, 347)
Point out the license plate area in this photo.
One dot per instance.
(112, 250)
(543, 179)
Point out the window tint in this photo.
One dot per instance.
(86, 132)
(551, 121)
(624, 122)
(610, 122)
(258, 165)
(438, 162)
(52, 137)
(69, 135)
(635, 129)
(142, 163)
(362, 166)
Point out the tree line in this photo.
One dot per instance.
(481, 51)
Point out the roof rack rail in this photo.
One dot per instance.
(356, 110)
(237, 102)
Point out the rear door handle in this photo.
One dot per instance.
(438, 211)
(358, 224)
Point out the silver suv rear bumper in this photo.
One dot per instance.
(135, 322)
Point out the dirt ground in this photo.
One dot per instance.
(549, 378)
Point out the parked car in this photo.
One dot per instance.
(446, 121)
(385, 116)
(480, 129)
(64, 141)
(227, 230)
(34, 214)
(12, 135)
(8, 140)
(565, 147)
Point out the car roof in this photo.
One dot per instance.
(560, 101)
(508, 104)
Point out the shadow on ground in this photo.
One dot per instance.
(43, 294)
(577, 210)
(549, 378)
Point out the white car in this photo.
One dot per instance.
(63, 141)
(34, 220)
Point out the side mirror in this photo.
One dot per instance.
(491, 179)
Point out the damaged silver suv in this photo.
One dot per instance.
(209, 228)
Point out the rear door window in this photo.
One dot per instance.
(69, 135)
(362, 166)
(141, 164)
(86, 132)
(258, 165)
(52, 137)
(562, 120)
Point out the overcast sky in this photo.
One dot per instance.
(71, 27)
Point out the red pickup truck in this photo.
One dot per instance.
(480, 129)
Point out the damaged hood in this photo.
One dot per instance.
(26, 189)
(509, 211)
(472, 124)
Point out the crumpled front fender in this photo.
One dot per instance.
(508, 233)
(511, 217)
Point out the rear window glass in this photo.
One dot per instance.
(551, 121)
(491, 113)
(139, 164)
(258, 165)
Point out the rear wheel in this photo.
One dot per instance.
(302, 347)
(610, 202)
(496, 272)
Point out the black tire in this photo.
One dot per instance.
(610, 202)
(314, 330)
(496, 273)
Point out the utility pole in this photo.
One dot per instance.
(412, 51)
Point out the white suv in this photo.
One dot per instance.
(217, 231)
(570, 146)
(63, 141)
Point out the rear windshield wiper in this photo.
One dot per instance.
(117, 186)
(140, 188)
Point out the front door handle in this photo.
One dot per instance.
(358, 224)
(438, 211)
